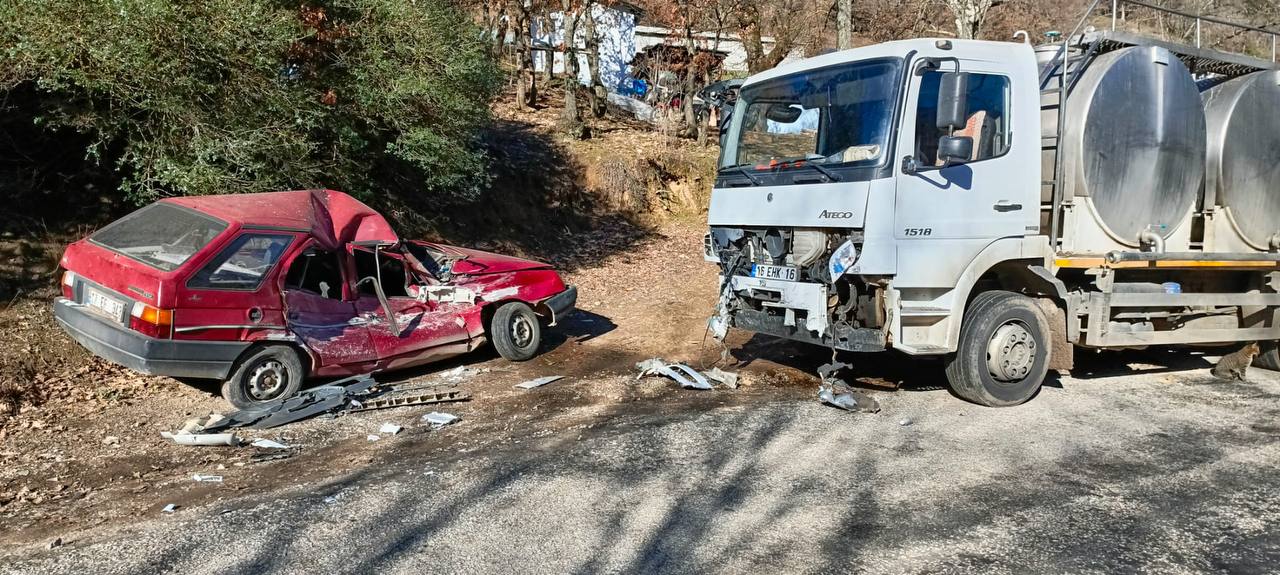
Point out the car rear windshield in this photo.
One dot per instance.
(160, 235)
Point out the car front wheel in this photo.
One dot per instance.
(516, 331)
(269, 374)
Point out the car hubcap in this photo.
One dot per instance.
(521, 331)
(1011, 352)
(268, 380)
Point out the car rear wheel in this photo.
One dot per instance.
(1003, 354)
(516, 331)
(269, 374)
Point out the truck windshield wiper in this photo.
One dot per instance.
(742, 169)
(828, 173)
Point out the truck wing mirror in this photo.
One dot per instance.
(955, 149)
(953, 101)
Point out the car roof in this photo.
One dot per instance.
(333, 217)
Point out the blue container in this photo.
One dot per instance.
(1172, 287)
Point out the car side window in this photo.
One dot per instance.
(244, 264)
(988, 123)
(316, 272)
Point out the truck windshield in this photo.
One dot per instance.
(160, 235)
(839, 115)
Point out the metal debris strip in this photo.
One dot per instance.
(541, 381)
(686, 376)
(835, 392)
(411, 399)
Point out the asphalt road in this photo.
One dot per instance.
(1119, 471)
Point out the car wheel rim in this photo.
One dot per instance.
(268, 381)
(1011, 353)
(521, 331)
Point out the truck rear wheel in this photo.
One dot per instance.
(1270, 356)
(1003, 355)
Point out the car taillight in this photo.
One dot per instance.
(69, 285)
(151, 321)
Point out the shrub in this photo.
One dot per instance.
(225, 96)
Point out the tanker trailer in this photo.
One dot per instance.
(1241, 192)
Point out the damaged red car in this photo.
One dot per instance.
(263, 291)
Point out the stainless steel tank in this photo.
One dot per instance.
(1134, 141)
(1243, 163)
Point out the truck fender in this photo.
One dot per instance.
(1022, 252)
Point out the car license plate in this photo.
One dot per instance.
(103, 304)
(785, 273)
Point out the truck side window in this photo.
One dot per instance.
(988, 117)
(243, 264)
(316, 272)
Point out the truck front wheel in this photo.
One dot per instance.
(1003, 355)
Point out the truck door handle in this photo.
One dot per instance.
(1006, 206)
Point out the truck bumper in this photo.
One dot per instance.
(561, 304)
(798, 311)
(123, 346)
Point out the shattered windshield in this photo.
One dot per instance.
(835, 115)
(160, 235)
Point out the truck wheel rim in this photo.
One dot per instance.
(521, 331)
(268, 380)
(1011, 353)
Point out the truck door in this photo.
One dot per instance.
(984, 199)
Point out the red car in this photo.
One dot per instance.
(262, 291)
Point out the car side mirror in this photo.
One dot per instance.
(382, 299)
(955, 149)
(953, 101)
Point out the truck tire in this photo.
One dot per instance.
(516, 331)
(267, 374)
(1270, 356)
(1003, 354)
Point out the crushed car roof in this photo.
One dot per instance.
(332, 217)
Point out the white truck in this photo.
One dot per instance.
(931, 196)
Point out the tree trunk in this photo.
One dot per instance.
(526, 80)
(571, 114)
(598, 93)
(970, 15)
(844, 24)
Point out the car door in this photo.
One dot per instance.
(949, 215)
(321, 311)
(420, 324)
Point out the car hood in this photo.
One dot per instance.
(476, 262)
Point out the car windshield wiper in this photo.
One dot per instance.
(742, 169)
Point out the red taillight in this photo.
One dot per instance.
(68, 285)
(151, 321)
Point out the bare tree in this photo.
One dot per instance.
(526, 80)
(844, 24)
(599, 95)
(970, 15)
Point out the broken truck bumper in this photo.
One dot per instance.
(562, 304)
(120, 345)
(798, 311)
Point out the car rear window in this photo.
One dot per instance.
(160, 235)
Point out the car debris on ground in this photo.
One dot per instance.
(728, 378)
(541, 381)
(206, 478)
(389, 429)
(170, 508)
(205, 439)
(439, 419)
(268, 444)
(686, 376)
(836, 392)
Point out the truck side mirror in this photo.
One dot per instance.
(955, 149)
(953, 100)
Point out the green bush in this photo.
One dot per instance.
(227, 96)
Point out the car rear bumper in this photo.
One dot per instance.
(562, 304)
(117, 344)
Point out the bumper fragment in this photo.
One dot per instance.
(562, 304)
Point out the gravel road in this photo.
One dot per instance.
(1135, 468)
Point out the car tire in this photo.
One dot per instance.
(1003, 354)
(267, 374)
(1270, 356)
(516, 331)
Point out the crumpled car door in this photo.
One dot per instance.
(330, 328)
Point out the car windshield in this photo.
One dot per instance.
(831, 116)
(161, 235)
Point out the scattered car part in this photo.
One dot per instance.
(263, 457)
(729, 379)
(541, 381)
(207, 478)
(170, 508)
(439, 419)
(848, 400)
(303, 405)
(204, 439)
(268, 444)
(423, 398)
(372, 437)
(389, 429)
(686, 376)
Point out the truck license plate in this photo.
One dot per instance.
(785, 273)
(100, 303)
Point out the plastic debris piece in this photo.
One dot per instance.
(372, 437)
(848, 400)
(207, 478)
(439, 419)
(389, 428)
(541, 381)
(204, 439)
(268, 444)
(686, 376)
(729, 379)
(905, 422)
(305, 404)
(170, 508)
